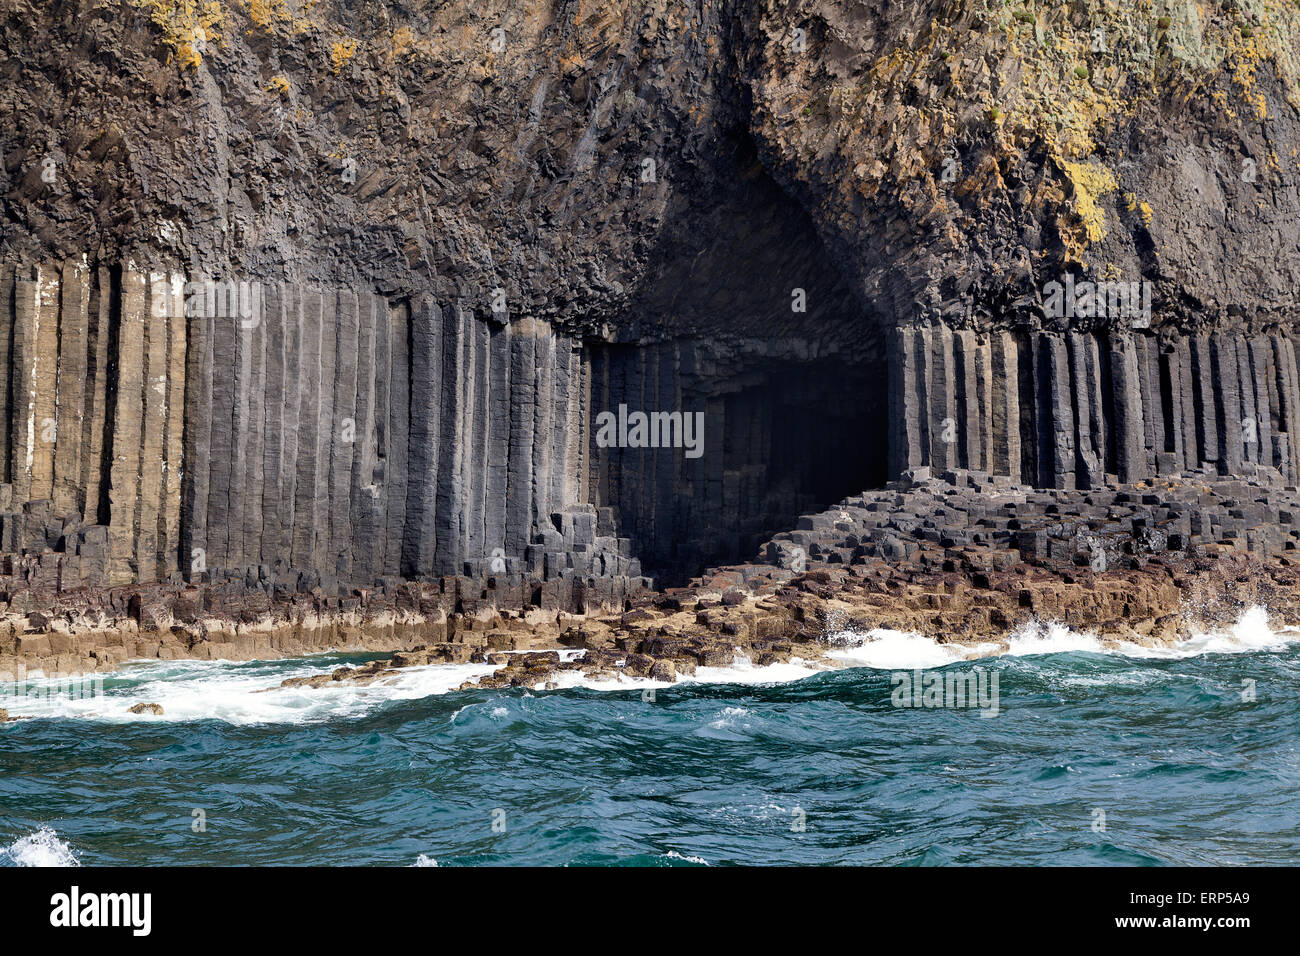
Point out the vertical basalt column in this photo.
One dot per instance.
(7, 373)
(921, 359)
(1086, 378)
(1061, 399)
(291, 312)
(1259, 356)
(44, 381)
(198, 456)
(519, 487)
(94, 433)
(222, 435)
(1180, 381)
(398, 432)
(984, 402)
(478, 434)
(128, 423)
(74, 323)
(1249, 422)
(173, 444)
(366, 493)
(344, 433)
(22, 408)
(586, 415)
(1227, 403)
(1130, 452)
(498, 463)
(1149, 396)
(600, 402)
(1207, 430)
(327, 434)
(967, 410)
(273, 426)
(1006, 405)
(451, 489)
(420, 540)
(379, 543)
(1289, 399)
(241, 369)
(943, 421)
(559, 437)
(154, 345)
(543, 425)
(306, 518)
(906, 444)
(252, 336)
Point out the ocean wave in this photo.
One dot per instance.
(237, 693)
(249, 692)
(42, 848)
(884, 649)
(697, 860)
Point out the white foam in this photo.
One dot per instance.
(729, 717)
(42, 848)
(424, 860)
(745, 671)
(674, 855)
(243, 693)
(1051, 637)
(249, 692)
(1251, 632)
(742, 671)
(886, 649)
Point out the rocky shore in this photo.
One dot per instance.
(964, 559)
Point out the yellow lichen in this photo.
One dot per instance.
(266, 13)
(1053, 75)
(188, 27)
(278, 84)
(1091, 182)
(342, 51)
(403, 41)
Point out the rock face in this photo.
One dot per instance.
(310, 309)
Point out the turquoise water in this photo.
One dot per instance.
(1185, 770)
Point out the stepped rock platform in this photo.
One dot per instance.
(964, 558)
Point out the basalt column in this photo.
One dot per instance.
(1068, 409)
(345, 436)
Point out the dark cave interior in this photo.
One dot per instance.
(794, 400)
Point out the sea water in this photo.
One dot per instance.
(1100, 752)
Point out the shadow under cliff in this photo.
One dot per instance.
(771, 347)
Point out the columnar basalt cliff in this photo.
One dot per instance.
(316, 308)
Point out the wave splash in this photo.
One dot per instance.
(883, 649)
(42, 848)
(248, 693)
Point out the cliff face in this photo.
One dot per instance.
(319, 291)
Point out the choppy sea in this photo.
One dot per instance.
(1099, 753)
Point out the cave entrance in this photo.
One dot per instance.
(772, 348)
(780, 439)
